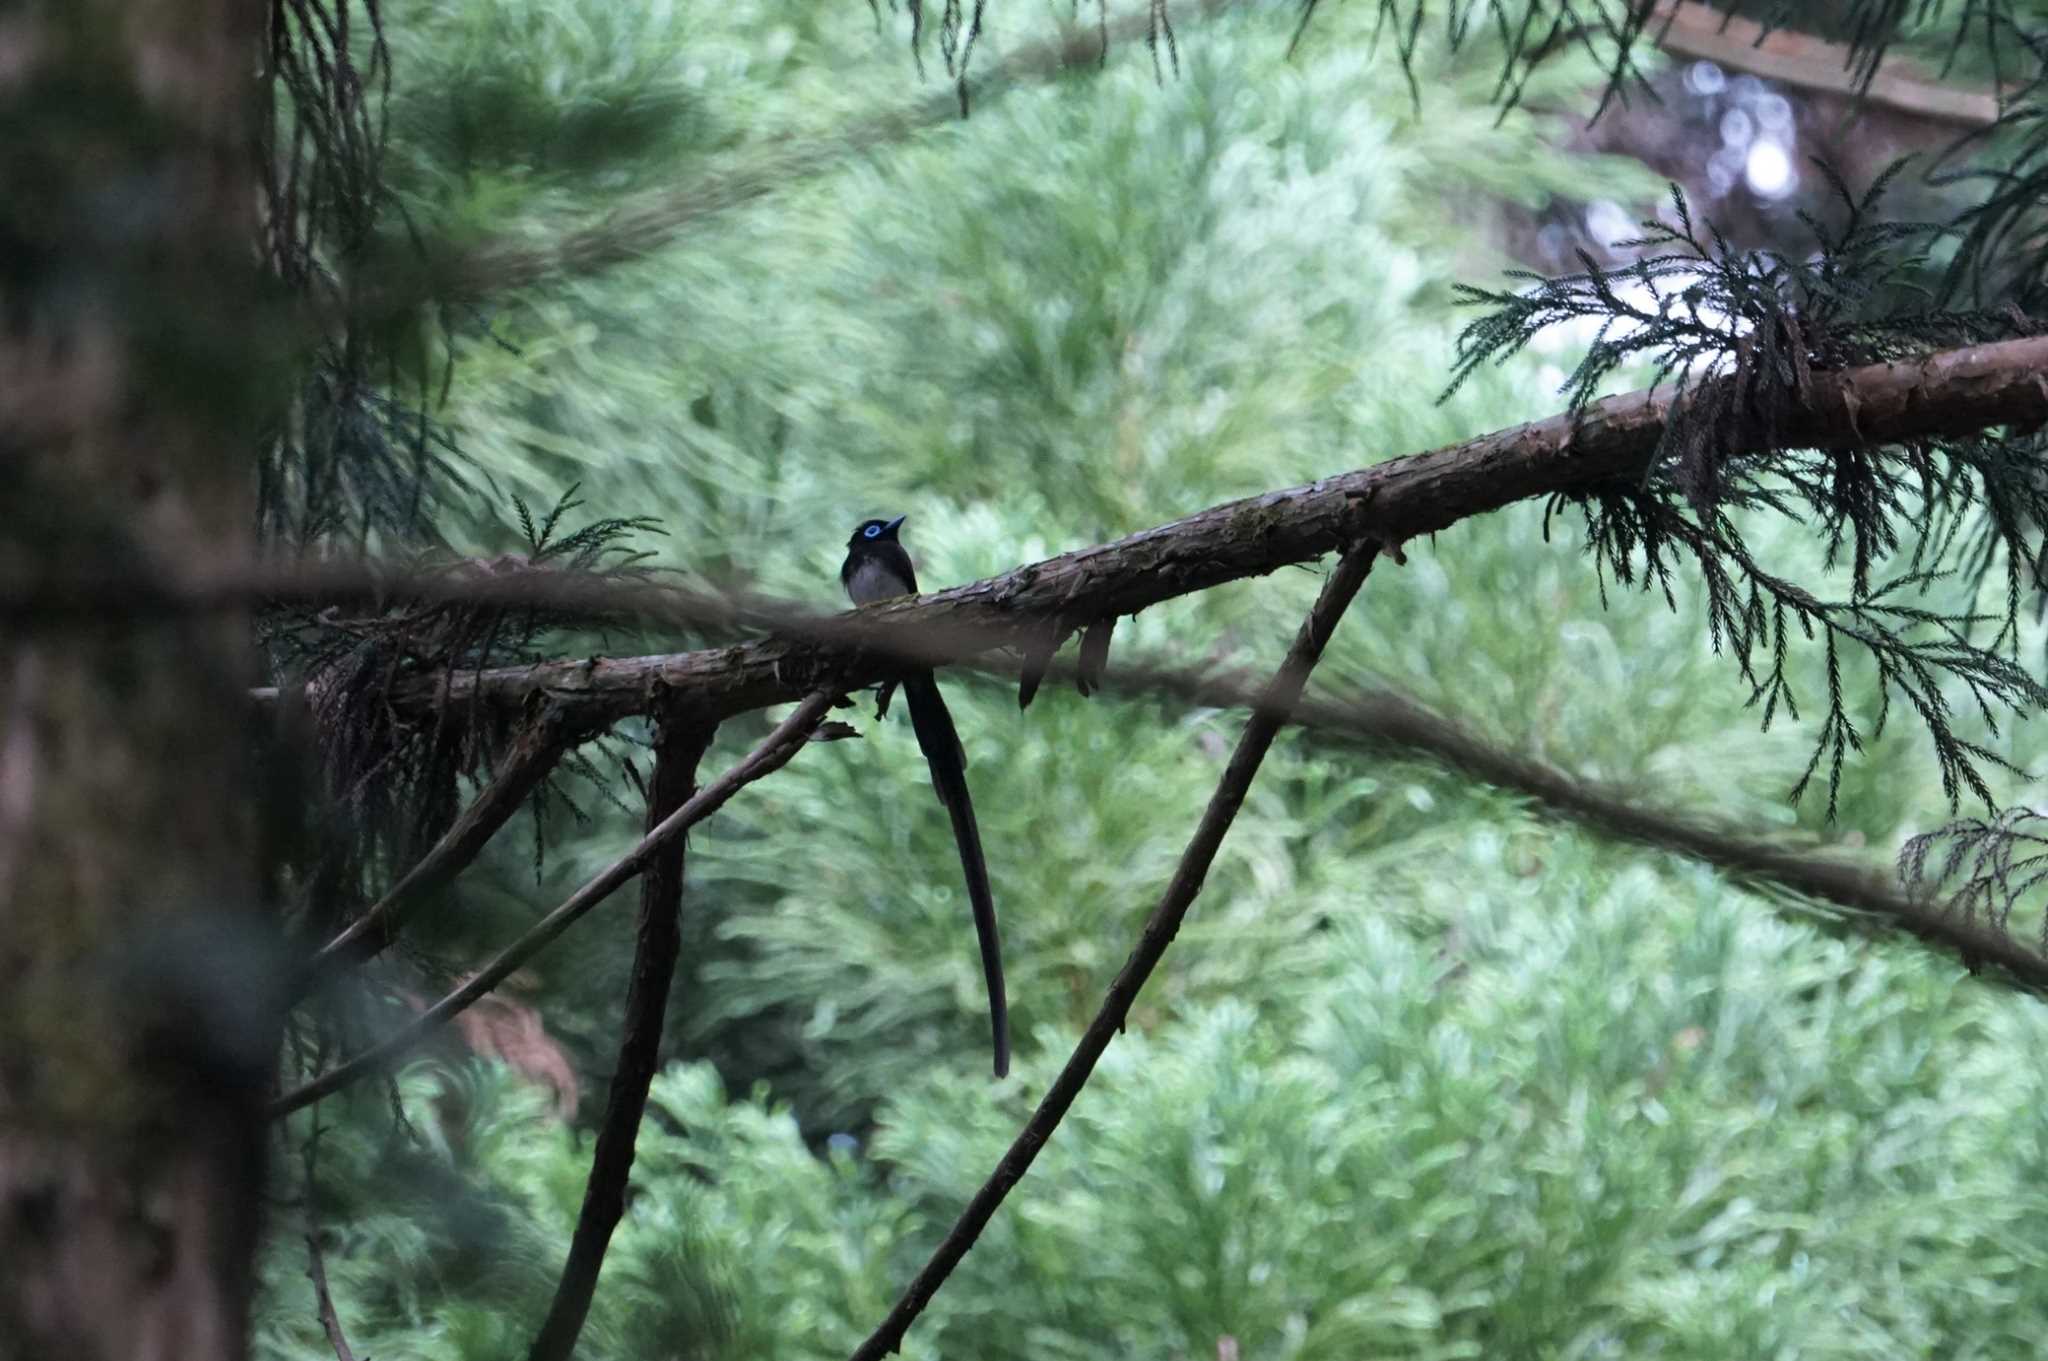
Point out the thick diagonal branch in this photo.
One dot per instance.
(659, 939)
(1948, 393)
(529, 759)
(1945, 394)
(771, 754)
(1268, 716)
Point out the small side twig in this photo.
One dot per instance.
(316, 1270)
(1269, 715)
(316, 1264)
(769, 755)
(678, 749)
(528, 762)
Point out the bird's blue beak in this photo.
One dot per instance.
(891, 527)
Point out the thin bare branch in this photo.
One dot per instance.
(1274, 705)
(521, 769)
(678, 750)
(645, 224)
(770, 754)
(1851, 894)
(1858, 895)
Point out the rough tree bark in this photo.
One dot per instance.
(1947, 393)
(135, 1039)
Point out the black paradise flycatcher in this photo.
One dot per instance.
(877, 568)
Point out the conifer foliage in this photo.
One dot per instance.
(607, 322)
(1739, 335)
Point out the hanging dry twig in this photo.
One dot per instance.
(769, 755)
(525, 764)
(1271, 713)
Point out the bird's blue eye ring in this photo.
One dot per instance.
(871, 531)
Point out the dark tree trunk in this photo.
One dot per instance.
(137, 1021)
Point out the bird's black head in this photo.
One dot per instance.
(876, 531)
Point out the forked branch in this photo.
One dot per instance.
(677, 751)
(1951, 392)
(1271, 713)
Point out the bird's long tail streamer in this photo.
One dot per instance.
(940, 742)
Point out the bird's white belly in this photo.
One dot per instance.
(872, 581)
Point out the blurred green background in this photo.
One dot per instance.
(1425, 1076)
